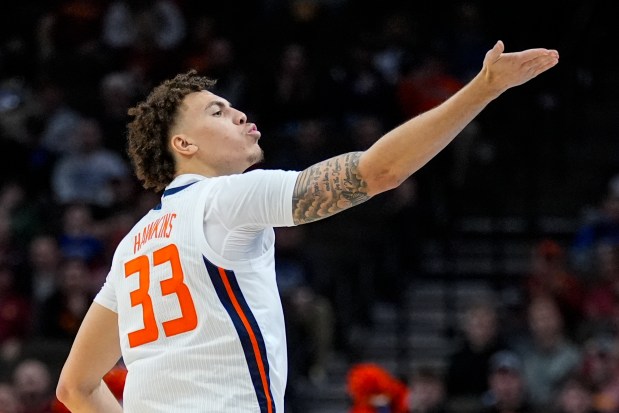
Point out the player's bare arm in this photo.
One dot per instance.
(344, 181)
(408, 147)
(328, 187)
(80, 386)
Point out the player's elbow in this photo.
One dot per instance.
(379, 175)
(69, 391)
(65, 391)
(381, 181)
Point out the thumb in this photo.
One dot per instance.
(493, 54)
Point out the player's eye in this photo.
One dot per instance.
(218, 113)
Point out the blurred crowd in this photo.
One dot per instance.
(556, 351)
(319, 78)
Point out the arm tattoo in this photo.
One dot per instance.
(328, 187)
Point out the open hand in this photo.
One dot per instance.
(502, 71)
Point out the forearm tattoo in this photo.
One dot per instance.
(328, 187)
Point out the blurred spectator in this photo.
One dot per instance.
(9, 402)
(468, 41)
(601, 302)
(118, 91)
(70, 52)
(351, 282)
(425, 85)
(292, 92)
(70, 27)
(468, 365)
(224, 66)
(548, 354)
(310, 328)
(575, 396)
(360, 87)
(34, 386)
(600, 371)
(364, 130)
(507, 390)
(10, 252)
(15, 317)
(41, 268)
(16, 105)
(57, 118)
(130, 203)
(396, 38)
(309, 316)
(144, 35)
(307, 141)
(79, 235)
(602, 226)
(23, 212)
(202, 31)
(125, 195)
(63, 312)
(549, 274)
(22, 128)
(403, 215)
(86, 174)
(159, 24)
(405, 225)
(427, 391)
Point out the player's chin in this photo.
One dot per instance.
(257, 157)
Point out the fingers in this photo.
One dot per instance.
(530, 54)
(495, 53)
(542, 63)
(540, 60)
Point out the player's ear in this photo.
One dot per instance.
(183, 145)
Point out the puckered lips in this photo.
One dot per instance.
(252, 130)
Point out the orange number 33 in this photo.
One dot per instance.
(174, 285)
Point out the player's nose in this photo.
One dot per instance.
(240, 118)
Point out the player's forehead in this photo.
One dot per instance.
(203, 99)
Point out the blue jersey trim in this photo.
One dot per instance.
(172, 191)
(228, 296)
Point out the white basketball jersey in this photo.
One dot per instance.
(200, 318)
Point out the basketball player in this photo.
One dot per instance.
(190, 302)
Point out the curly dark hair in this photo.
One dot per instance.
(149, 130)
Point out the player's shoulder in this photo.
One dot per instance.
(252, 176)
(267, 174)
(254, 173)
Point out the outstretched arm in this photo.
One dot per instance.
(331, 186)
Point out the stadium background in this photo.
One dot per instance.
(387, 282)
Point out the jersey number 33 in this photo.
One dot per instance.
(141, 266)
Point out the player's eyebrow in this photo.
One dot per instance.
(222, 104)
